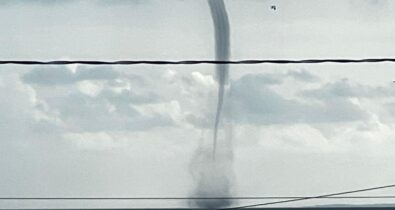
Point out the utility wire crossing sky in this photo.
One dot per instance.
(192, 62)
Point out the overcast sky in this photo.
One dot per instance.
(131, 131)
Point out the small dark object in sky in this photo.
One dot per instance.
(273, 7)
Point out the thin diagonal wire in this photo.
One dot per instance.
(310, 198)
(194, 62)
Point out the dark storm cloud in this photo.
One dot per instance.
(130, 97)
(80, 112)
(60, 75)
(261, 79)
(113, 108)
(35, 2)
(279, 78)
(255, 102)
(121, 2)
(302, 75)
(345, 89)
(17, 115)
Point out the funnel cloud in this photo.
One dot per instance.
(222, 52)
(212, 167)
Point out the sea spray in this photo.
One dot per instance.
(212, 166)
(213, 179)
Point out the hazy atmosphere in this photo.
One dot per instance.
(135, 131)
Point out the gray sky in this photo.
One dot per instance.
(131, 131)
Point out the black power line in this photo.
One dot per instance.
(197, 198)
(194, 62)
(310, 198)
